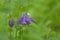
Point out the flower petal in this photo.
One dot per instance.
(11, 22)
(32, 20)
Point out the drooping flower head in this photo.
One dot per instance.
(11, 22)
(25, 19)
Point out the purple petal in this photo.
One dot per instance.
(23, 20)
(23, 14)
(19, 21)
(26, 15)
(26, 19)
(32, 20)
(11, 22)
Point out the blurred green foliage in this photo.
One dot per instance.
(45, 12)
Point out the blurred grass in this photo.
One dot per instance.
(45, 12)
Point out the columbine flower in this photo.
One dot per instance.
(25, 19)
(11, 22)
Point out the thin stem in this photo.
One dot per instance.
(16, 33)
(20, 33)
(10, 31)
(10, 35)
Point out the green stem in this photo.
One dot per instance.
(10, 30)
(16, 33)
(10, 35)
(20, 34)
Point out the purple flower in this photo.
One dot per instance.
(25, 19)
(11, 22)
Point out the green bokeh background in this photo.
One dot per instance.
(46, 13)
